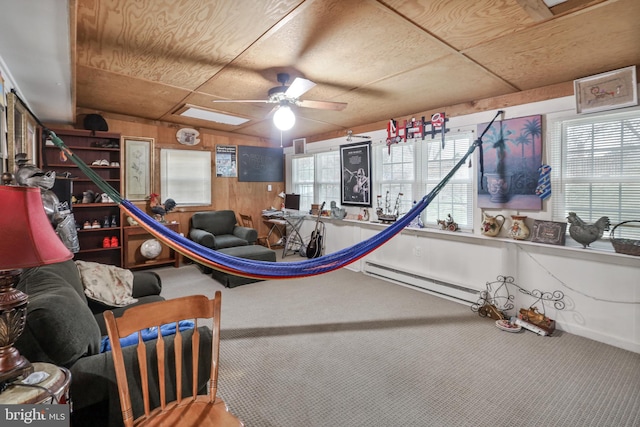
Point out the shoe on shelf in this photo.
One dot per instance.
(67, 175)
(86, 225)
(95, 163)
(106, 242)
(114, 242)
(115, 164)
(113, 221)
(95, 224)
(88, 196)
(104, 162)
(106, 223)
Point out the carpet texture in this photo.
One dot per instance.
(345, 349)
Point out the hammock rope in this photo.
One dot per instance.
(254, 268)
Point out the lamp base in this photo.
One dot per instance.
(13, 314)
(23, 370)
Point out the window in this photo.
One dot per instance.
(598, 164)
(394, 168)
(302, 176)
(186, 176)
(316, 175)
(456, 197)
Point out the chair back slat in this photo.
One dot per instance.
(160, 361)
(195, 353)
(141, 350)
(177, 352)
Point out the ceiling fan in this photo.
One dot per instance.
(287, 96)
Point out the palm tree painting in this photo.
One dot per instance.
(512, 155)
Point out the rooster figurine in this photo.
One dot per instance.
(160, 209)
(584, 233)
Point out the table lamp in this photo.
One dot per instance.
(28, 240)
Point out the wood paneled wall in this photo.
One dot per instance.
(226, 193)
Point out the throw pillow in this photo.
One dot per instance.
(107, 284)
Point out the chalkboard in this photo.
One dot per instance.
(260, 164)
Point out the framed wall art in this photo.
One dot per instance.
(138, 160)
(606, 91)
(355, 166)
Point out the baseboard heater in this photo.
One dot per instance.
(441, 288)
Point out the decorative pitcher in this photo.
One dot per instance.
(491, 225)
(519, 229)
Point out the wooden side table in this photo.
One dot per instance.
(53, 389)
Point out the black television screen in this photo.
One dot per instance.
(292, 202)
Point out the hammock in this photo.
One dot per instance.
(254, 268)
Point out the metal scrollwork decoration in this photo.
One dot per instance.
(497, 298)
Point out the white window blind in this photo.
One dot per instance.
(302, 177)
(596, 168)
(186, 176)
(456, 197)
(328, 177)
(395, 173)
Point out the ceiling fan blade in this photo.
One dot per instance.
(263, 101)
(323, 105)
(299, 87)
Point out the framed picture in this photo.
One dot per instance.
(138, 159)
(20, 136)
(300, 146)
(606, 91)
(355, 165)
(226, 161)
(552, 233)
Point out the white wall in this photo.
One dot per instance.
(601, 288)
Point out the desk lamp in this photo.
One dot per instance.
(27, 240)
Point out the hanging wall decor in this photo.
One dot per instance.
(606, 91)
(355, 165)
(512, 156)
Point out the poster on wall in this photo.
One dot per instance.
(226, 161)
(355, 165)
(512, 156)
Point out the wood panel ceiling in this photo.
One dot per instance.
(386, 59)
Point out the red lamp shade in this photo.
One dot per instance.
(28, 239)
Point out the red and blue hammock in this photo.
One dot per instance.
(253, 268)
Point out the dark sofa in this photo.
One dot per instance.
(63, 327)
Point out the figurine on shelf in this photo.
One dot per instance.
(448, 224)
(387, 214)
(160, 209)
(58, 213)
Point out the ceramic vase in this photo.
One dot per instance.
(498, 187)
(518, 229)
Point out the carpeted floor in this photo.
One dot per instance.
(345, 349)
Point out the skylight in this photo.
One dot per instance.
(211, 116)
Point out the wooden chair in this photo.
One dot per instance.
(247, 221)
(195, 410)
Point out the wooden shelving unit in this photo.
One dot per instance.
(89, 146)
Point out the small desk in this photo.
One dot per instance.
(53, 389)
(288, 227)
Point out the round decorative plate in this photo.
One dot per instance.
(506, 325)
(151, 249)
(188, 136)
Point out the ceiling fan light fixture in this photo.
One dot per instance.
(283, 118)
